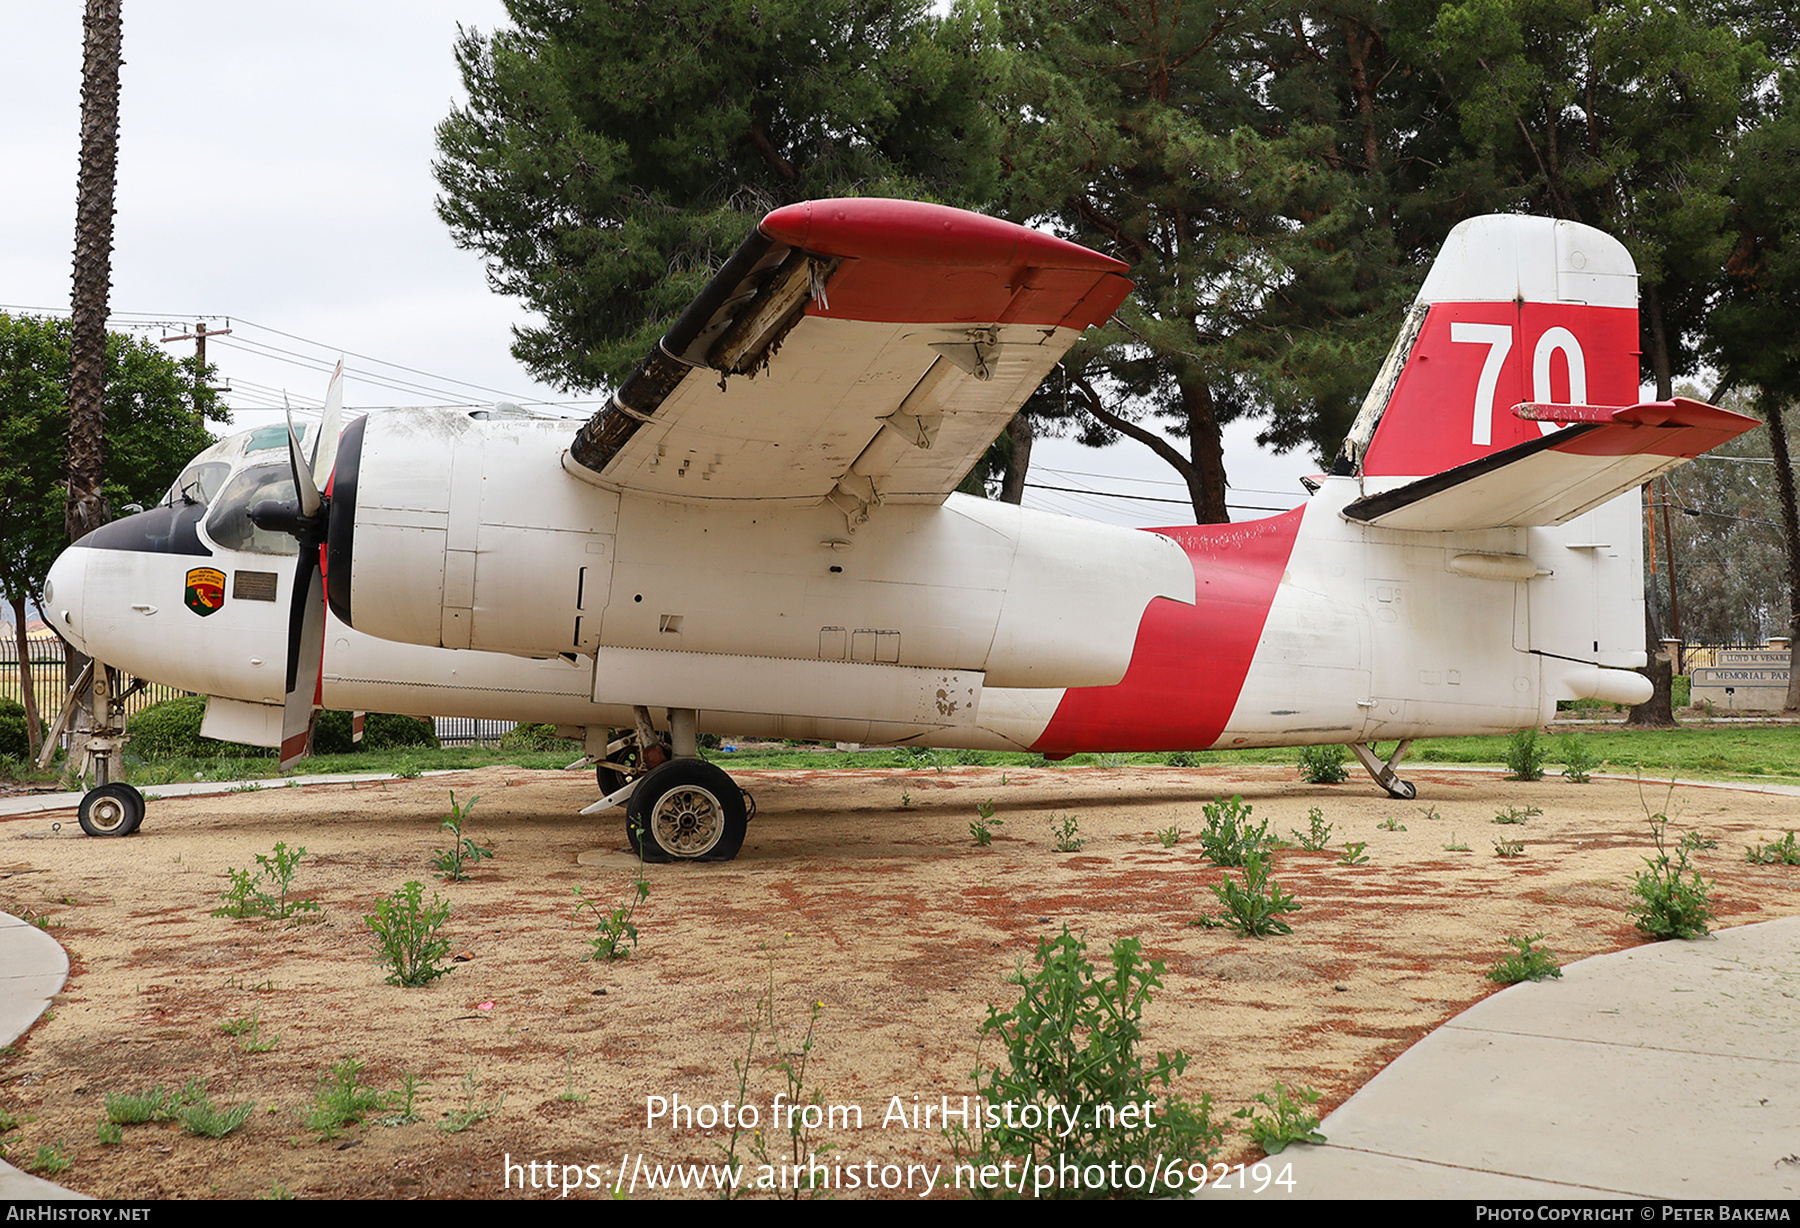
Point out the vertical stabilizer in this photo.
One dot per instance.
(1515, 309)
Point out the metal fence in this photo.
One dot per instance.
(46, 666)
(469, 731)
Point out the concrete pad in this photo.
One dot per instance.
(1668, 1071)
(33, 967)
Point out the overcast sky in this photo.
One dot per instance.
(275, 168)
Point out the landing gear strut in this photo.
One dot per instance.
(95, 710)
(1382, 772)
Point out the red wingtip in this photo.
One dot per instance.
(913, 232)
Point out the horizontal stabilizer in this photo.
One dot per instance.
(1601, 451)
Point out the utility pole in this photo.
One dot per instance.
(198, 337)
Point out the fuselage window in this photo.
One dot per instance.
(229, 523)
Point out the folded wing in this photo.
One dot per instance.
(861, 351)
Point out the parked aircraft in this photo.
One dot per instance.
(758, 535)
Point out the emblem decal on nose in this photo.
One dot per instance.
(205, 590)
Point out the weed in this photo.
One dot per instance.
(1169, 837)
(1228, 839)
(1693, 841)
(1514, 814)
(905, 801)
(51, 1160)
(614, 927)
(1528, 962)
(110, 1133)
(1666, 902)
(1353, 854)
(342, 1098)
(1114, 760)
(790, 1063)
(1071, 1042)
(1509, 848)
(1286, 1121)
(403, 1099)
(247, 898)
(157, 1104)
(1455, 845)
(279, 1193)
(982, 829)
(1182, 758)
(406, 931)
(1323, 765)
(1524, 756)
(463, 850)
(1391, 825)
(1782, 852)
(1254, 909)
(1318, 834)
(1065, 835)
(408, 771)
(473, 1110)
(569, 1094)
(1429, 814)
(209, 1121)
(1578, 761)
(248, 1028)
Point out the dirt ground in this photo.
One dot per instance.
(861, 892)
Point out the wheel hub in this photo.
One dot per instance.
(107, 813)
(688, 821)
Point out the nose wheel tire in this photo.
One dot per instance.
(111, 810)
(686, 810)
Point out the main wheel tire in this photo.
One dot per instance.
(112, 810)
(686, 810)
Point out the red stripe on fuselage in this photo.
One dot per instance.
(1189, 662)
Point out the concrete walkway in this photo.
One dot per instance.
(32, 971)
(1669, 1071)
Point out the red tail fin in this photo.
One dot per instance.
(1514, 309)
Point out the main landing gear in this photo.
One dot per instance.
(1382, 771)
(678, 807)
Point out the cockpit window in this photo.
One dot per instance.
(229, 522)
(199, 483)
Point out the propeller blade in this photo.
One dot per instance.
(305, 658)
(304, 488)
(324, 456)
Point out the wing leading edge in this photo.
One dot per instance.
(861, 351)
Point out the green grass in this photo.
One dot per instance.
(1694, 750)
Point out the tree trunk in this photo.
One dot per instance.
(27, 684)
(1203, 470)
(1657, 712)
(1019, 432)
(85, 510)
(1790, 520)
(1206, 481)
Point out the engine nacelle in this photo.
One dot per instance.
(441, 534)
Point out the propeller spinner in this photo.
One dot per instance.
(305, 518)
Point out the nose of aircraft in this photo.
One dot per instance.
(63, 595)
